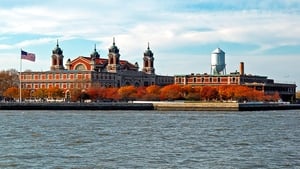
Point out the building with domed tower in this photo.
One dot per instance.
(57, 58)
(87, 71)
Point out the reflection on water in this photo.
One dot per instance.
(149, 139)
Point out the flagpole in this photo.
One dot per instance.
(20, 87)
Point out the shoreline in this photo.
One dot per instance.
(160, 106)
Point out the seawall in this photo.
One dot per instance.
(267, 106)
(77, 106)
(217, 106)
(161, 106)
(196, 106)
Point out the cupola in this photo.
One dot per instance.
(148, 61)
(57, 50)
(148, 52)
(114, 48)
(95, 54)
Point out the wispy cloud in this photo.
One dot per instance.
(174, 28)
(33, 42)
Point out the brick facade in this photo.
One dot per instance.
(84, 72)
(286, 91)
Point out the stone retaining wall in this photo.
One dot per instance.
(170, 106)
(196, 106)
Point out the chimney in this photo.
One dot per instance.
(242, 68)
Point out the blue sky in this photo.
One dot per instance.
(182, 34)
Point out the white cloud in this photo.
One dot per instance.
(34, 42)
(165, 24)
(5, 46)
(248, 26)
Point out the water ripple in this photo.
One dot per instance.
(149, 139)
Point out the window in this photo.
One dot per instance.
(80, 67)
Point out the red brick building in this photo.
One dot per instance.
(286, 91)
(84, 72)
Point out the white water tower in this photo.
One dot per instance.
(218, 65)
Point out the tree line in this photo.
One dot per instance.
(9, 82)
(150, 93)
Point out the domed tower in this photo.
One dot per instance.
(113, 58)
(95, 54)
(57, 58)
(218, 65)
(148, 61)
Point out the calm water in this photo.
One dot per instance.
(149, 139)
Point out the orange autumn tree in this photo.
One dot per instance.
(140, 93)
(75, 94)
(191, 92)
(209, 93)
(152, 93)
(111, 94)
(171, 92)
(101, 93)
(225, 93)
(93, 93)
(174, 92)
(11, 92)
(40, 93)
(26, 93)
(244, 93)
(255, 95)
(272, 97)
(55, 92)
(276, 96)
(127, 93)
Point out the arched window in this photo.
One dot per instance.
(146, 63)
(80, 67)
(111, 61)
(54, 61)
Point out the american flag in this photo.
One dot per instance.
(27, 56)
